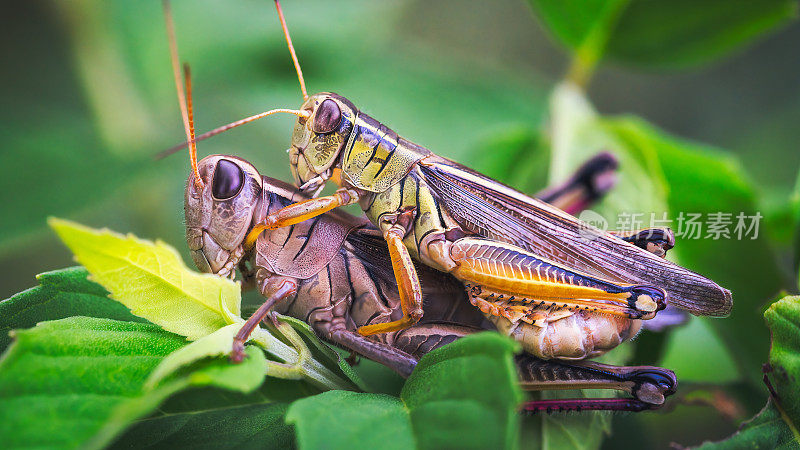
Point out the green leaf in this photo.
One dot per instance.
(766, 430)
(783, 319)
(221, 373)
(670, 34)
(776, 426)
(338, 419)
(180, 300)
(578, 133)
(463, 395)
(516, 156)
(60, 294)
(86, 377)
(218, 343)
(259, 426)
(795, 205)
(152, 280)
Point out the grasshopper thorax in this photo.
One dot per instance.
(221, 211)
(319, 137)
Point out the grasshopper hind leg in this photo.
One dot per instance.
(517, 274)
(648, 386)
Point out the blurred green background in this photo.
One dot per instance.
(88, 100)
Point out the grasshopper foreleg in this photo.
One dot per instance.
(301, 211)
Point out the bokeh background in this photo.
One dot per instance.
(88, 99)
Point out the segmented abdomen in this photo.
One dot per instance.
(579, 336)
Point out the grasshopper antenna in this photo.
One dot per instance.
(187, 76)
(227, 127)
(186, 107)
(191, 141)
(291, 50)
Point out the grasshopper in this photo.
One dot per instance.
(563, 289)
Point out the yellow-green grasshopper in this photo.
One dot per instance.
(559, 286)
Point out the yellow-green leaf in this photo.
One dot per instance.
(180, 300)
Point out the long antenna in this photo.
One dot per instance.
(187, 77)
(190, 142)
(186, 111)
(291, 50)
(227, 127)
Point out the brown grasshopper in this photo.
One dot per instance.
(562, 288)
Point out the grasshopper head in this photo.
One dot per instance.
(319, 137)
(220, 212)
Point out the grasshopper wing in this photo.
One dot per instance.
(495, 211)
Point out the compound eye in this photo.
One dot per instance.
(228, 180)
(327, 117)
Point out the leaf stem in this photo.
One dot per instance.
(590, 51)
(299, 362)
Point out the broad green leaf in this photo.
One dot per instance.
(86, 376)
(178, 299)
(578, 133)
(463, 395)
(765, 431)
(60, 294)
(342, 419)
(660, 34)
(516, 156)
(258, 426)
(704, 180)
(776, 426)
(783, 320)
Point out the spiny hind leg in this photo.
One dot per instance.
(516, 309)
(648, 386)
(517, 274)
(406, 276)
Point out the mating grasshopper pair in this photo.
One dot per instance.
(564, 290)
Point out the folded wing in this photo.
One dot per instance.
(492, 210)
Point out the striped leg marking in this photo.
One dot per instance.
(509, 273)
